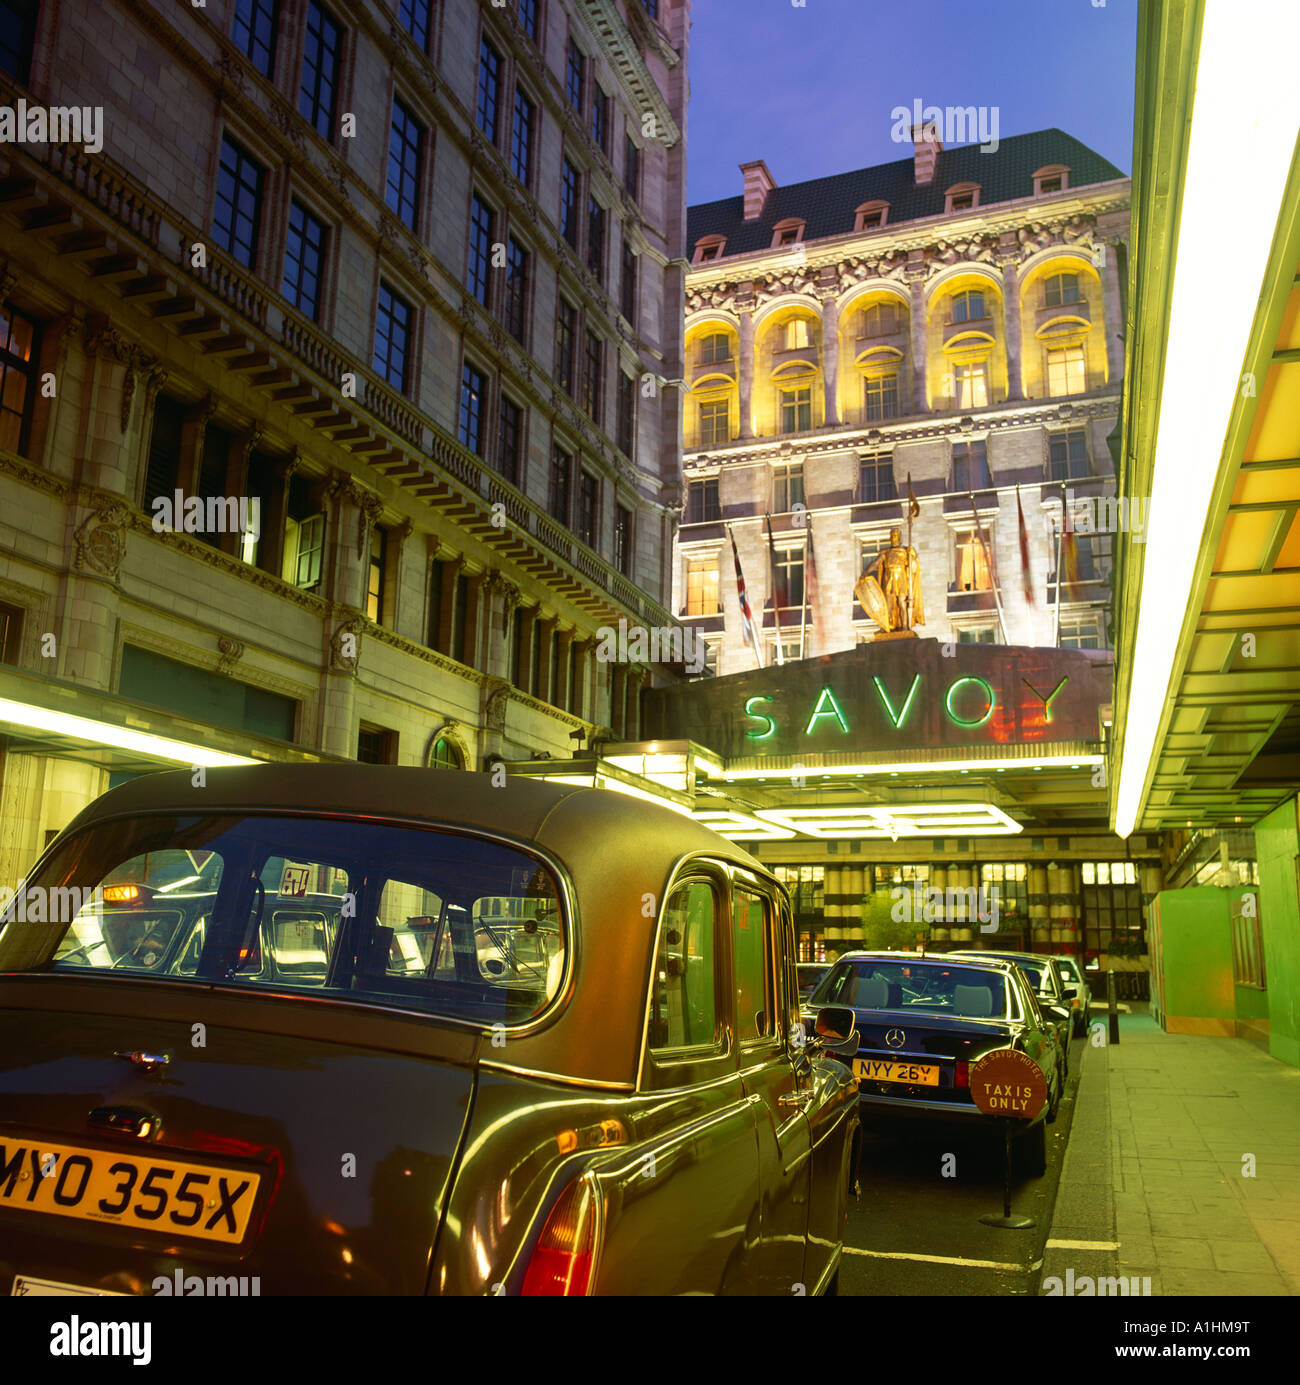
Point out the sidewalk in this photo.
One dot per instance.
(1154, 1181)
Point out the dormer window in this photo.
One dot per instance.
(709, 248)
(1054, 178)
(788, 232)
(871, 215)
(964, 197)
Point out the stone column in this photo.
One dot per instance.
(1011, 319)
(831, 359)
(920, 364)
(354, 511)
(397, 537)
(475, 604)
(746, 377)
(1113, 323)
(581, 653)
(501, 597)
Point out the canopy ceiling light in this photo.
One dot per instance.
(895, 820)
(1006, 763)
(743, 827)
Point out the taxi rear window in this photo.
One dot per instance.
(415, 919)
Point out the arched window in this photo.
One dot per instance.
(445, 754)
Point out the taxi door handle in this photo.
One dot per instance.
(797, 1099)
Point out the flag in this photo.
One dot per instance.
(777, 586)
(1069, 553)
(746, 615)
(913, 505)
(1025, 572)
(983, 548)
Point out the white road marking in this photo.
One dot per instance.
(1082, 1245)
(941, 1259)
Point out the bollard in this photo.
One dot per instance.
(1114, 1009)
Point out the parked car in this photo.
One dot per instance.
(411, 1033)
(1081, 1002)
(922, 1022)
(1050, 990)
(810, 973)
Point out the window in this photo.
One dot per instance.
(414, 18)
(970, 466)
(214, 461)
(592, 394)
(1067, 371)
(626, 412)
(715, 423)
(320, 70)
(968, 306)
(628, 287)
(789, 576)
(977, 634)
(1052, 184)
(787, 487)
(462, 636)
(596, 239)
(683, 1000)
(795, 335)
(516, 299)
(566, 328)
(510, 440)
(569, 204)
(971, 384)
(702, 587)
(623, 539)
(304, 260)
(796, 409)
(528, 18)
(882, 396)
(751, 969)
(963, 197)
(253, 32)
(482, 223)
(631, 166)
(1081, 632)
(588, 508)
(702, 503)
(375, 574)
(1059, 289)
(881, 320)
(1053, 179)
(489, 89)
(17, 36)
(1112, 902)
(600, 119)
(521, 137)
(405, 141)
(651, 8)
(304, 536)
(871, 215)
(473, 388)
(433, 606)
(445, 754)
(11, 633)
(786, 233)
(18, 340)
(1084, 565)
(392, 336)
(1068, 455)
(162, 475)
(237, 210)
(575, 77)
(715, 349)
(876, 479)
(561, 473)
(710, 248)
(972, 566)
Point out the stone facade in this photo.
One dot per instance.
(405, 592)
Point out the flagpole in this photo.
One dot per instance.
(1060, 557)
(803, 628)
(988, 563)
(774, 585)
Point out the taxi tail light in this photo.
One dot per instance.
(564, 1260)
(961, 1076)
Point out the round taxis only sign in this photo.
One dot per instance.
(1008, 1083)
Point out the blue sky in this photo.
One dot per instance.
(810, 88)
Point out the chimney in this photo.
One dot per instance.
(758, 183)
(925, 153)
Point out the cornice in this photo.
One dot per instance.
(605, 22)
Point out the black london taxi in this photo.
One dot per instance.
(367, 1029)
(922, 1022)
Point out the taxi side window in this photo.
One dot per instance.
(683, 1000)
(751, 950)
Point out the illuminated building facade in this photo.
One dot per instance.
(955, 317)
(407, 275)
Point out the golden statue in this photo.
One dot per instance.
(890, 590)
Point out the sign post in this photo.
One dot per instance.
(1010, 1085)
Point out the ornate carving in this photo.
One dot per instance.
(232, 74)
(495, 707)
(104, 340)
(230, 651)
(8, 279)
(100, 538)
(286, 123)
(345, 646)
